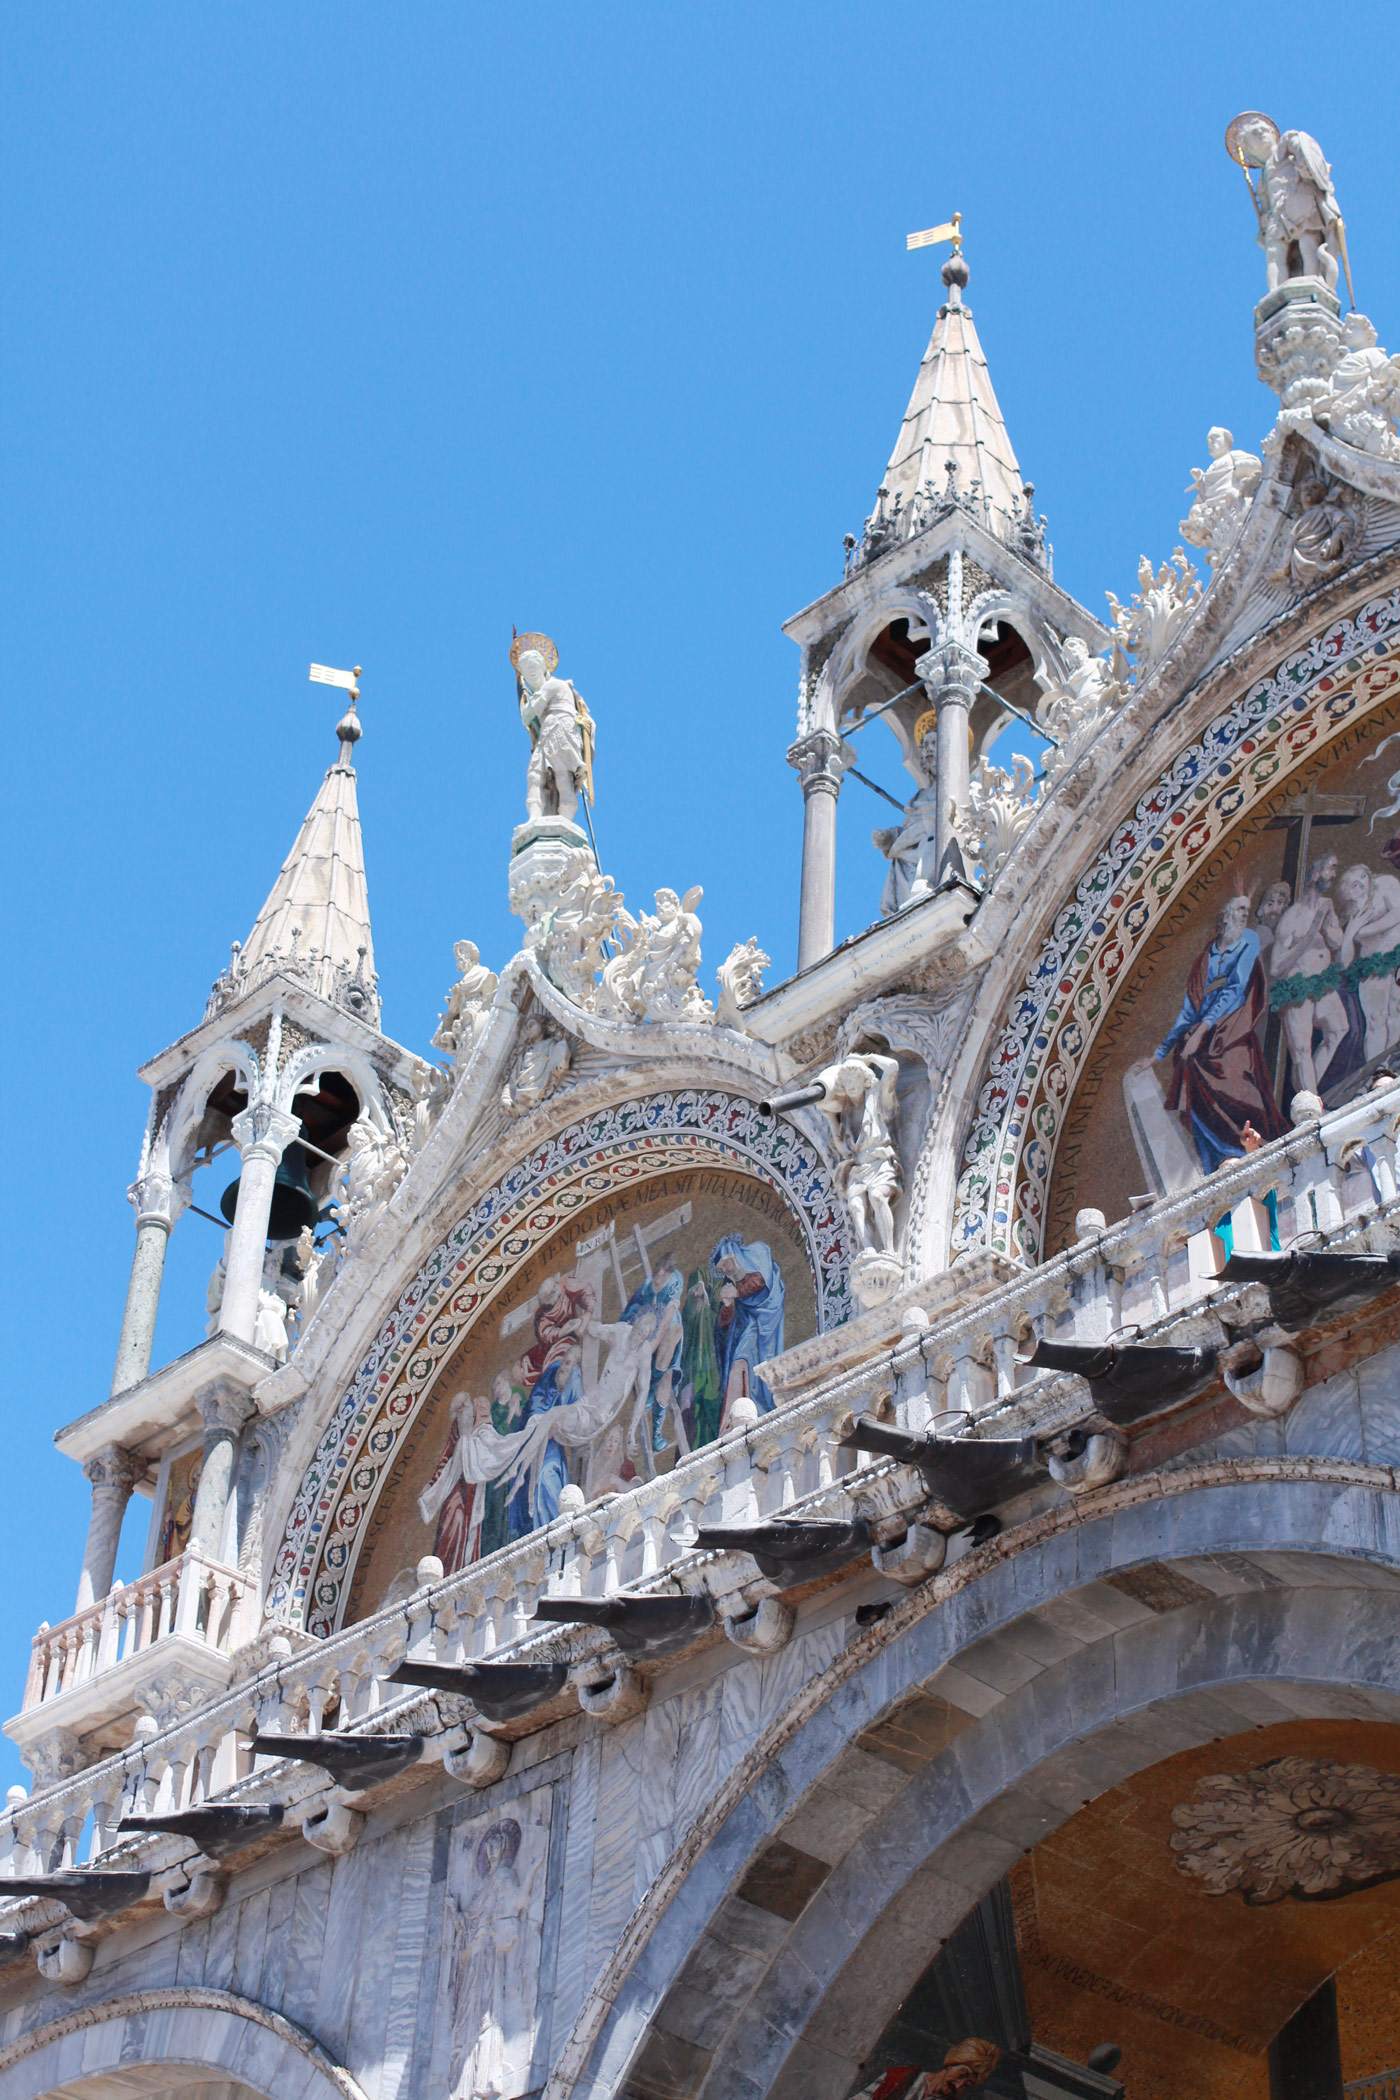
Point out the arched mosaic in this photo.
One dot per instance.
(614, 1150)
(1338, 677)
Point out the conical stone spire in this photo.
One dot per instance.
(953, 441)
(314, 926)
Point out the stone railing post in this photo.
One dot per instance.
(950, 675)
(158, 1202)
(820, 759)
(226, 1411)
(113, 1473)
(262, 1134)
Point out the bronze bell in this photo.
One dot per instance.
(293, 1205)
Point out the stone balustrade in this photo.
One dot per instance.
(1158, 1271)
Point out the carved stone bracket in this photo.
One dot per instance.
(476, 1759)
(614, 1696)
(762, 1630)
(919, 1554)
(64, 1960)
(337, 1828)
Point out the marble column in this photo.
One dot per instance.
(950, 675)
(820, 759)
(262, 1134)
(158, 1202)
(113, 1473)
(225, 1409)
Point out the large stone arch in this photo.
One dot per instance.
(964, 1727)
(151, 2040)
(613, 1147)
(1052, 1019)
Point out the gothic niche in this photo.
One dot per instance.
(631, 1338)
(1274, 974)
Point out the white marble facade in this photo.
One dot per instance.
(714, 1863)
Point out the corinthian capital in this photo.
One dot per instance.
(951, 672)
(157, 1198)
(820, 759)
(263, 1129)
(113, 1468)
(224, 1407)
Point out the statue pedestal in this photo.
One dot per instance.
(1298, 339)
(542, 858)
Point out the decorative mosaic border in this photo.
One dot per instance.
(629, 1142)
(1340, 674)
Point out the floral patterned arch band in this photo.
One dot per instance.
(1338, 677)
(615, 1149)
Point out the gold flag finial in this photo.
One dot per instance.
(950, 230)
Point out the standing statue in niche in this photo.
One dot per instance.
(562, 733)
(1300, 227)
(911, 846)
(858, 1098)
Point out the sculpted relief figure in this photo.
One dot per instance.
(1364, 402)
(569, 938)
(376, 1168)
(1223, 493)
(541, 1063)
(1299, 223)
(859, 1101)
(1074, 710)
(1325, 534)
(740, 978)
(910, 846)
(561, 731)
(468, 1004)
(654, 975)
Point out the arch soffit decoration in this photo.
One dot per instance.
(1338, 676)
(1162, 1689)
(610, 1150)
(173, 2030)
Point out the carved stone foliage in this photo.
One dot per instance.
(1362, 404)
(1001, 805)
(1077, 707)
(1223, 492)
(1300, 1827)
(1145, 628)
(605, 959)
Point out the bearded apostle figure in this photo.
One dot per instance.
(1219, 1080)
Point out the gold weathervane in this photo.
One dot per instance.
(950, 230)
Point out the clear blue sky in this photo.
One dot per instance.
(358, 333)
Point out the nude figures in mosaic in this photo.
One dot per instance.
(1299, 223)
(561, 731)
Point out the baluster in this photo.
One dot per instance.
(110, 1633)
(148, 1606)
(36, 1688)
(189, 1589)
(106, 1814)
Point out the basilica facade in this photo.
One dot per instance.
(791, 1541)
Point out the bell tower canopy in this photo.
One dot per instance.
(314, 926)
(953, 440)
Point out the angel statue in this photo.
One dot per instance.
(653, 977)
(562, 733)
(1300, 227)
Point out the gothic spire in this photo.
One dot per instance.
(953, 440)
(314, 926)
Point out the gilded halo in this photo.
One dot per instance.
(1236, 126)
(539, 642)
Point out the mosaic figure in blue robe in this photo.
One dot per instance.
(749, 1323)
(661, 1294)
(536, 1498)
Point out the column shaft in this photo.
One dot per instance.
(113, 1474)
(820, 759)
(225, 1408)
(142, 1302)
(263, 1134)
